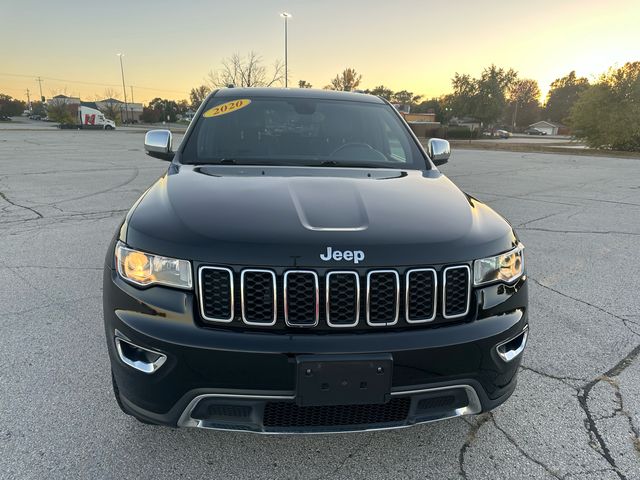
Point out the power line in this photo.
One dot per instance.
(53, 79)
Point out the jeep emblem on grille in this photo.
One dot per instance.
(355, 256)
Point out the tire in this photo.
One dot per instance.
(108, 127)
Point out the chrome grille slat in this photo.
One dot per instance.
(387, 298)
(249, 304)
(413, 297)
(297, 305)
(454, 296)
(342, 304)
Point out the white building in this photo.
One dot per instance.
(546, 127)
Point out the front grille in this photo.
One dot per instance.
(328, 299)
(287, 415)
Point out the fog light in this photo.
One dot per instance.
(513, 347)
(142, 359)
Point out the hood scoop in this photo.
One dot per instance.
(331, 205)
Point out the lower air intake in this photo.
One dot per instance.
(289, 415)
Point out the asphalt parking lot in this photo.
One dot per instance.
(575, 412)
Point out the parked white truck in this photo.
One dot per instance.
(92, 118)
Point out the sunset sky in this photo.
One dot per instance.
(170, 46)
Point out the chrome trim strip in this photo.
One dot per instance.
(474, 407)
(201, 295)
(275, 297)
(444, 292)
(512, 354)
(145, 367)
(368, 302)
(435, 295)
(328, 301)
(286, 306)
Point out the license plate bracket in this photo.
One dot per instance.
(343, 379)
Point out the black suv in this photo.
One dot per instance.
(303, 266)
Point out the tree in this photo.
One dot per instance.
(563, 93)
(304, 84)
(182, 106)
(246, 72)
(382, 92)
(433, 105)
(491, 100)
(10, 106)
(404, 97)
(523, 108)
(484, 98)
(58, 111)
(198, 95)
(162, 110)
(150, 115)
(37, 108)
(346, 81)
(607, 114)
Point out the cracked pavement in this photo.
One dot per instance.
(574, 415)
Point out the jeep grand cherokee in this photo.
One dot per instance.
(303, 266)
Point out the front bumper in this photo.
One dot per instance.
(246, 380)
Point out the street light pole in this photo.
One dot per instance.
(286, 17)
(124, 89)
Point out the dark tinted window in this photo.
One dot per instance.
(273, 131)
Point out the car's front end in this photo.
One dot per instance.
(301, 299)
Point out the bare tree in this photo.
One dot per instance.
(246, 71)
(111, 105)
(347, 81)
(304, 84)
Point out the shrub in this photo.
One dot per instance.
(607, 114)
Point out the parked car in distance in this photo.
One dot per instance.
(4, 118)
(35, 117)
(534, 131)
(502, 134)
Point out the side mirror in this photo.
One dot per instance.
(439, 150)
(159, 144)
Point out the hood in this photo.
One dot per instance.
(290, 216)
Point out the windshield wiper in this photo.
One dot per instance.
(333, 163)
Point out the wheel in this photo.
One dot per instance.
(116, 393)
(108, 127)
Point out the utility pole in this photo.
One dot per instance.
(286, 17)
(39, 80)
(124, 88)
(28, 100)
(132, 102)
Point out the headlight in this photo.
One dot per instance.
(145, 269)
(506, 268)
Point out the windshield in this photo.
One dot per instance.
(301, 131)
